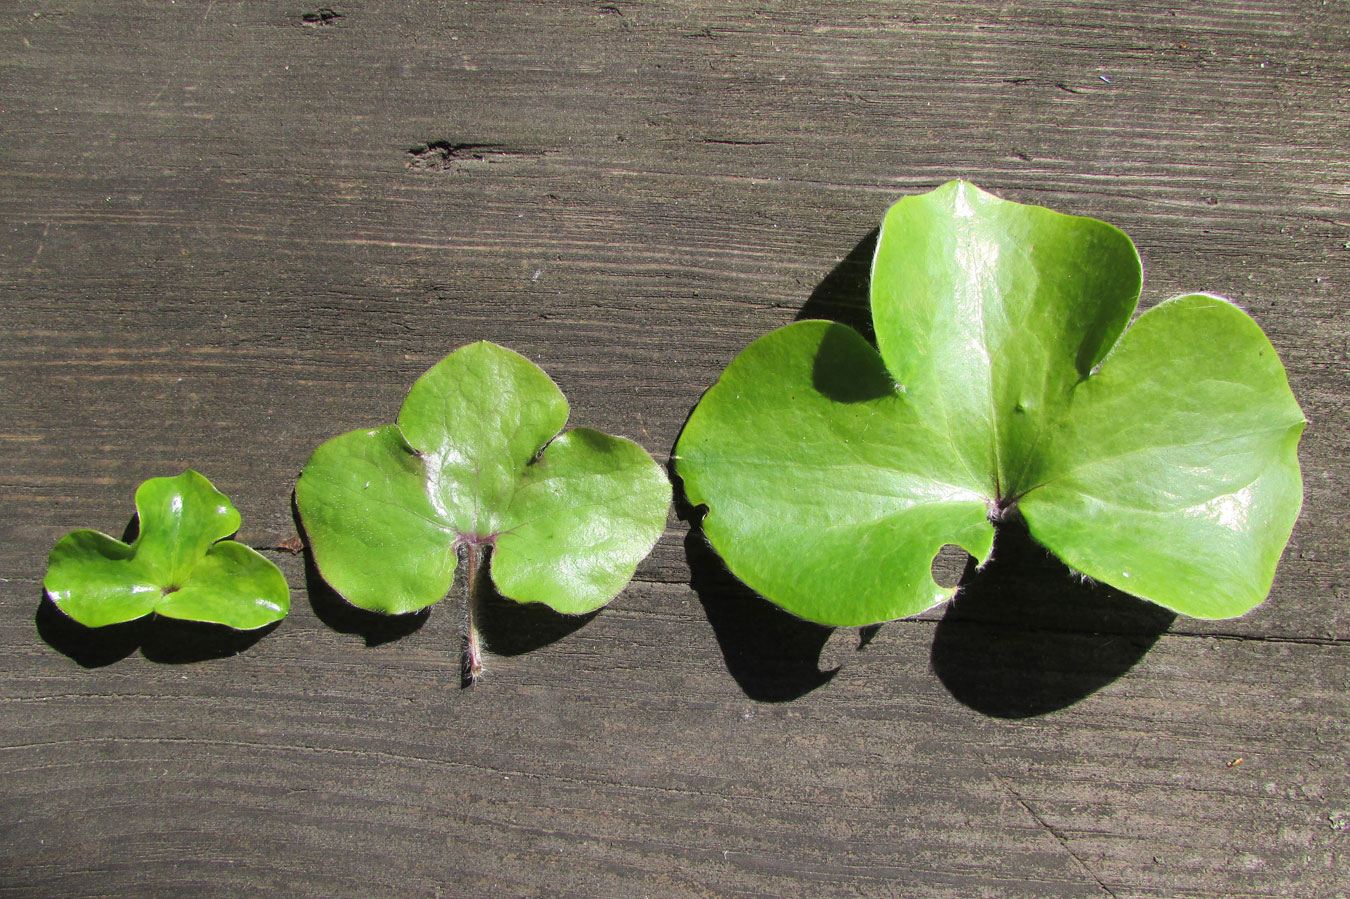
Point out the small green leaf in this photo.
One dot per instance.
(180, 564)
(385, 510)
(1163, 462)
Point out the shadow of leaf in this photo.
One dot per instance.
(167, 641)
(170, 641)
(843, 294)
(847, 369)
(89, 647)
(774, 656)
(511, 628)
(1026, 637)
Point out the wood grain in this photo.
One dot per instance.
(232, 230)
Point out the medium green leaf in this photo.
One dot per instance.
(833, 473)
(580, 520)
(179, 565)
(825, 491)
(385, 510)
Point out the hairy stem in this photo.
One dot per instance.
(473, 644)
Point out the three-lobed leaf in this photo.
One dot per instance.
(474, 460)
(1163, 462)
(180, 565)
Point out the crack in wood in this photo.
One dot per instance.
(1050, 829)
(323, 16)
(444, 156)
(737, 143)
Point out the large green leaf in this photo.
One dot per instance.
(179, 565)
(1162, 462)
(385, 510)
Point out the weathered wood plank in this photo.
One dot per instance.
(618, 759)
(231, 233)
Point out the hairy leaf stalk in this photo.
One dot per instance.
(473, 644)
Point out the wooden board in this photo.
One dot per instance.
(232, 230)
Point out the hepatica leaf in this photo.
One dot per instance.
(180, 565)
(1161, 460)
(474, 462)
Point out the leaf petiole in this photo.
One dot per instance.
(476, 552)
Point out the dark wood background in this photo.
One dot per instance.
(230, 231)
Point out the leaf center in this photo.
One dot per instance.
(1003, 508)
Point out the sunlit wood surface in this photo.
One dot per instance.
(230, 231)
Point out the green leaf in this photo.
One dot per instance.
(1176, 476)
(180, 564)
(1163, 462)
(385, 510)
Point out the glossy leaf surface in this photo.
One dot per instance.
(180, 565)
(385, 509)
(1162, 462)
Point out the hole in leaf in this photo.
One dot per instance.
(1025, 637)
(949, 564)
